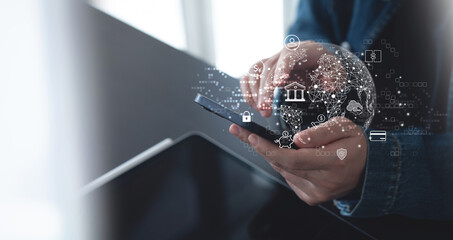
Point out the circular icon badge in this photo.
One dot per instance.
(321, 118)
(257, 69)
(292, 42)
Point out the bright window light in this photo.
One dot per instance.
(245, 32)
(160, 19)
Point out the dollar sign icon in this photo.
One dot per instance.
(256, 68)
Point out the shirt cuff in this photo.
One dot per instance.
(380, 184)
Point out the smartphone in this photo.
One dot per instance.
(234, 117)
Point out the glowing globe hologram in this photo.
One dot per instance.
(335, 82)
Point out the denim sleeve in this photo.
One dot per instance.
(409, 174)
(312, 22)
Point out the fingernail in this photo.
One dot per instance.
(234, 130)
(303, 137)
(253, 140)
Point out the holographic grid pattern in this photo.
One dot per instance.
(398, 105)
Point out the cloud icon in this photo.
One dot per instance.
(354, 107)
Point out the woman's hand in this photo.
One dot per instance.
(315, 171)
(258, 85)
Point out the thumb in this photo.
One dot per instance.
(327, 132)
(281, 71)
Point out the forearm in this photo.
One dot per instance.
(409, 175)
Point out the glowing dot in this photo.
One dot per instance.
(359, 146)
(333, 95)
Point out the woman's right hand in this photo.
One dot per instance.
(258, 84)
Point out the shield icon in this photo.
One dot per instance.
(341, 153)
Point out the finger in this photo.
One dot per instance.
(287, 174)
(247, 92)
(276, 168)
(299, 192)
(303, 195)
(266, 96)
(287, 159)
(281, 70)
(265, 91)
(255, 72)
(240, 132)
(315, 195)
(327, 132)
(301, 182)
(267, 87)
(303, 59)
(290, 174)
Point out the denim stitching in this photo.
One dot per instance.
(392, 201)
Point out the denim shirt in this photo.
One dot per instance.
(409, 174)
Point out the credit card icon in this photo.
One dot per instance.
(378, 135)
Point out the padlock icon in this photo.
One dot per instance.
(246, 117)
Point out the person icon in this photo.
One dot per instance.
(292, 42)
(285, 141)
